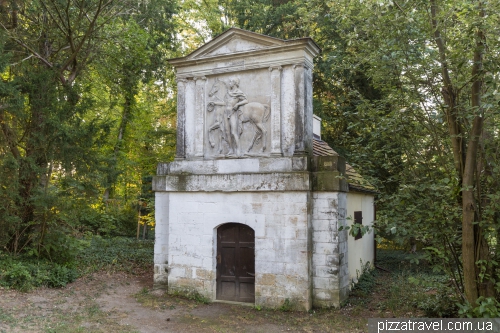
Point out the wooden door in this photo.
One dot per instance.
(235, 263)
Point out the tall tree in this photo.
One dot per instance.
(53, 43)
(429, 98)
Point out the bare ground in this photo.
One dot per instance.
(121, 302)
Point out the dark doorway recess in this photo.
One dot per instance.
(236, 263)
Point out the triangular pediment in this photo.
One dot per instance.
(235, 41)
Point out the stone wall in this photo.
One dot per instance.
(186, 239)
(329, 256)
(361, 251)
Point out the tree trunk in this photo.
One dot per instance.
(474, 245)
(467, 163)
(129, 88)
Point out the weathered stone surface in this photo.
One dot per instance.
(281, 252)
(228, 166)
(328, 163)
(244, 155)
(181, 118)
(296, 181)
(329, 249)
(329, 181)
(244, 104)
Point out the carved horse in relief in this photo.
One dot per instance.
(230, 121)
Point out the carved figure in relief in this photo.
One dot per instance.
(238, 98)
(237, 110)
(219, 121)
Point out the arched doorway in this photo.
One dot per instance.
(235, 263)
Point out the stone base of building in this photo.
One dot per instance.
(300, 256)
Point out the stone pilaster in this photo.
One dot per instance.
(308, 110)
(199, 116)
(162, 240)
(181, 119)
(275, 110)
(190, 103)
(300, 103)
(288, 111)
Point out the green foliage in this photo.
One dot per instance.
(484, 308)
(25, 274)
(356, 228)
(287, 306)
(91, 253)
(366, 280)
(85, 113)
(383, 97)
(410, 285)
(58, 247)
(115, 254)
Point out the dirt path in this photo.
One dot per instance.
(126, 303)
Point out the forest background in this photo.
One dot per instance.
(407, 90)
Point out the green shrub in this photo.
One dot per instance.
(16, 276)
(287, 306)
(413, 286)
(484, 308)
(59, 276)
(55, 269)
(25, 273)
(366, 280)
(60, 247)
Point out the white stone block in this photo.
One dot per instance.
(297, 269)
(265, 255)
(289, 233)
(323, 225)
(264, 243)
(177, 272)
(235, 166)
(321, 295)
(160, 258)
(274, 232)
(327, 271)
(269, 267)
(324, 236)
(325, 283)
(185, 260)
(324, 248)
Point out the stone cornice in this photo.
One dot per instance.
(241, 182)
(305, 44)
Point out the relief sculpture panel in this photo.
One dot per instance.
(238, 116)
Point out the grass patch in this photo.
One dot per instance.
(162, 300)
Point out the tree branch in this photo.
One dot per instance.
(449, 94)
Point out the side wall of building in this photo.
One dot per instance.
(361, 251)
